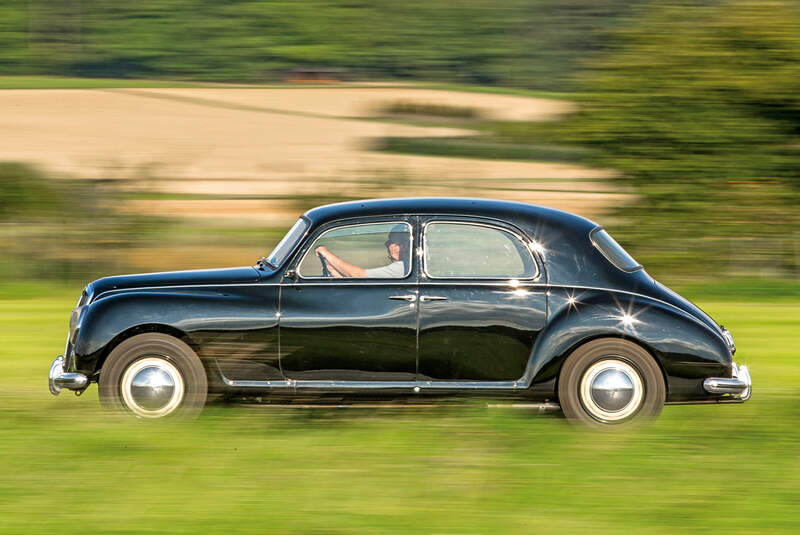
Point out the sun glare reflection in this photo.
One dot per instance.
(626, 317)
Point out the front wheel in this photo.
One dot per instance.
(610, 382)
(154, 375)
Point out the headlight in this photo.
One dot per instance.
(75, 321)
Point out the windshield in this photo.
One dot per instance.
(613, 251)
(285, 246)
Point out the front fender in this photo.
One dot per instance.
(686, 349)
(199, 315)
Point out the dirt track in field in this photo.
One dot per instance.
(274, 143)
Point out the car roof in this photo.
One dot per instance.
(511, 211)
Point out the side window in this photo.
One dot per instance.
(466, 250)
(382, 250)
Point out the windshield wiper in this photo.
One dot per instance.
(264, 261)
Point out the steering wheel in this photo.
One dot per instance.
(325, 271)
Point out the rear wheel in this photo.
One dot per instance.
(610, 382)
(154, 375)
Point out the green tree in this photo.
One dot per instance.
(523, 43)
(697, 105)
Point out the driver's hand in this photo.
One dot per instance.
(321, 251)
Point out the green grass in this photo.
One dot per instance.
(68, 467)
(64, 82)
(56, 82)
(743, 289)
(495, 90)
(483, 147)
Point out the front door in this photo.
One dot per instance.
(480, 308)
(349, 312)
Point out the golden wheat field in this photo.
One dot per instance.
(263, 144)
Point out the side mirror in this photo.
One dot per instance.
(290, 274)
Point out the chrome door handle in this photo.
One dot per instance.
(407, 297)
(433, 298)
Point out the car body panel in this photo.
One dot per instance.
(347, 331)
(478, 332)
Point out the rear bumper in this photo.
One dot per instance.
(738, 387)
(60, 378)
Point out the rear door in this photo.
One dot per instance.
(481, 307)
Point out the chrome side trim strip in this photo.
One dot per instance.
(415, 386)
(540, 407)
(476, 385)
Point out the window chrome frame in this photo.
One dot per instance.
(296, 244)
(526, 244)
(333, 226)
(602, 252)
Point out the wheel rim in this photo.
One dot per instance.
(611, 390)
(152, 387)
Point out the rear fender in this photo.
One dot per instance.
(685, 348)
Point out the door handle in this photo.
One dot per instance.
(408, 297)
(433, 298)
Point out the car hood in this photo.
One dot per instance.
(235, 275)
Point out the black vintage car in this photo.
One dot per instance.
(402, 300)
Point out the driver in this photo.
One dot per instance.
(397, 248)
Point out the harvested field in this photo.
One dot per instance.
(367, 102)
(273, 144)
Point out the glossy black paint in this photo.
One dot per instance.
(270, 331)
(347, 331)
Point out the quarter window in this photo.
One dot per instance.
(383, 250)
(464, 250)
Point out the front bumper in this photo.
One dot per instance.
(739, 386)
(59, 378)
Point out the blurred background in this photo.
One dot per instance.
(179, 134)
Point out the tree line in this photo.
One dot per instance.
(520, 43)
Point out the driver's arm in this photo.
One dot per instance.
(335, 273)
(345, 269)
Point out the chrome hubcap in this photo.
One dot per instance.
(152, 387)
(611, 390)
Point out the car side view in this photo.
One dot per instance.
(403, 300)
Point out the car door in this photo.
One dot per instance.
(351, 328)
(481, 307)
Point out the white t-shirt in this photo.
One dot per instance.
(395, 270)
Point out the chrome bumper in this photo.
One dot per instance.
(740, 386)
(60, 379)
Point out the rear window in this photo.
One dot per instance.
(464, 250)
(613, 251)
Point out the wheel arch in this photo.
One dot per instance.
(652, 352)
(142, 329)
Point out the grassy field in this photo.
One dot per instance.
(68, 467)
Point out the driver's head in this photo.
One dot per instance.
(398, 242)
